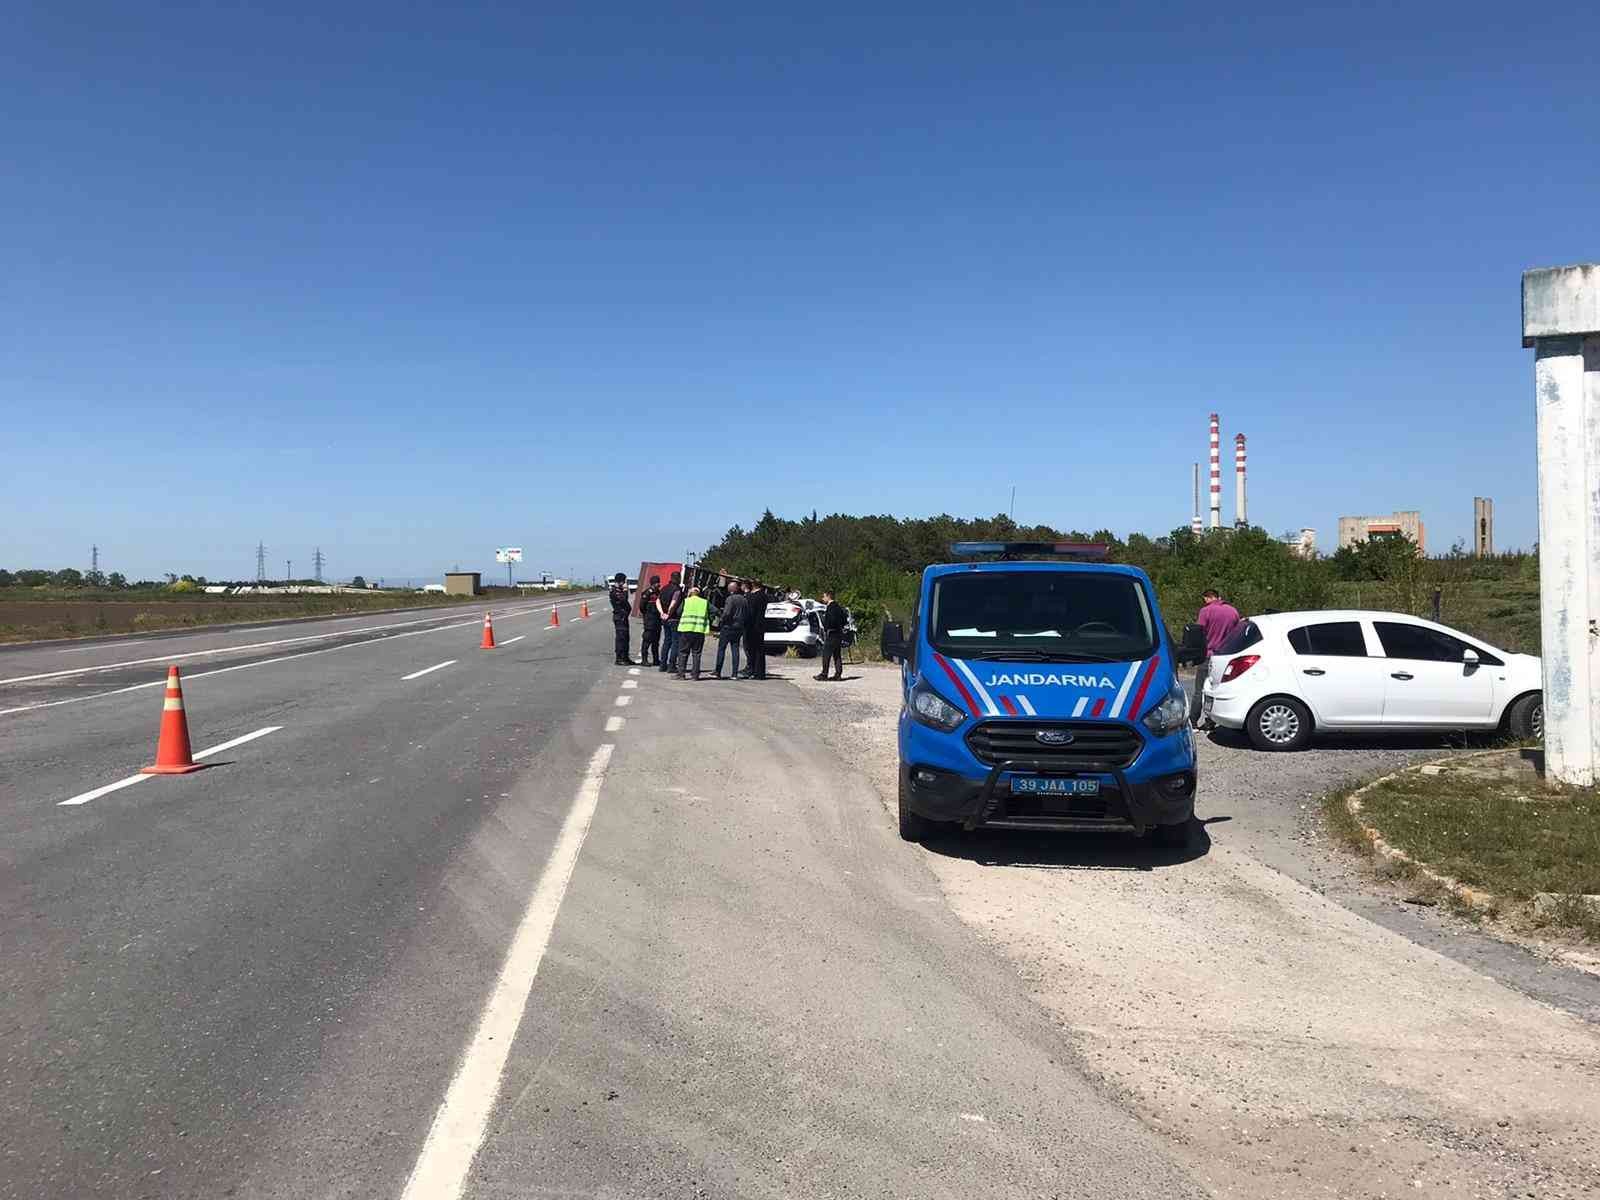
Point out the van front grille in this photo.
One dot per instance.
(1106, 742)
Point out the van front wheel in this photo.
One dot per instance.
(913, 827)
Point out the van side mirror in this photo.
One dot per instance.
(892, 642)
(1193, 646)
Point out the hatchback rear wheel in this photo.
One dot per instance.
(1525, 717)
(1279, 723)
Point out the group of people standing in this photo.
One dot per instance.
(678, 619)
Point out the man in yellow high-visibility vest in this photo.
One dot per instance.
(694, 622)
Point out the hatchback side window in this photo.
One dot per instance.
(1341, 639)
(1421, 644)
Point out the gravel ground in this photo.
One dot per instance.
(1285, 1024)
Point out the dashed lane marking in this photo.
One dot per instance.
(624, 701)
(312, 637)
(265, 662)
(449, 662)
(613, 724)
(85, 797)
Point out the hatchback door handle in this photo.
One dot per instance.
(1400, 675)
(1315, 671)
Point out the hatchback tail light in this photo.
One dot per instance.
(1238, 665)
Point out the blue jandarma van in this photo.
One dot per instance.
(1041, 695)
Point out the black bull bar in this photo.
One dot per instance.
(988, 799)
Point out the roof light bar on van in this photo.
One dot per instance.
(1030, 549)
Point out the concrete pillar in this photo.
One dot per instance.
(1482, 526)
(1561, 321)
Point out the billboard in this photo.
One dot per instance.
(508, 554)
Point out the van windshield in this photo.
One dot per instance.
(1044, 616)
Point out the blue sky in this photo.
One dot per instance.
(413, 283)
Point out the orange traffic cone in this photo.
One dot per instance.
(488, 634)
(173, 756)
(583, 610)
(555, 618)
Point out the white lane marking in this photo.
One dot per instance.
(172, 634)
(624, 701)
(633, 670)
(238, 741)
(630, 683)
(265, 662)
(458, 1127)
(518, 638)
(1077, 709)
(613, 724)
(1122, 693)
(449, 662)
(313, 637)
(85, 797)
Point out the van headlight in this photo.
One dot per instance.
(932, 709)
(1171, 714)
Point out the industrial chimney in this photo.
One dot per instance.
(1195, 523)
(1216, 472)
(1241, 519)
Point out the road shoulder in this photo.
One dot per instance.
(755, 990)
(1283, 1042)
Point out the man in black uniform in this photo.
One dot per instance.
(834, 619)
(650, 646)
(755, 633)
(621, 609)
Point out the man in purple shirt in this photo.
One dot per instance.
(1218, 618)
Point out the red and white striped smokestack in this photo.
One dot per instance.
(1216, 472)
(1241, 517)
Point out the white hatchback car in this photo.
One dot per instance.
(1284, 676)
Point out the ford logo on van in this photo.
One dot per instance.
(1053, 737)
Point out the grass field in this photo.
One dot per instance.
(1492, 824)
(1503, 610)
(30, 615)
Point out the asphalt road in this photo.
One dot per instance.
(504, 928)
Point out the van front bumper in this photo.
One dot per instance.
(1157, 789)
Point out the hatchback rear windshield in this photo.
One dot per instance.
(1045, 616)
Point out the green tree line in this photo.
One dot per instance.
(874, 563)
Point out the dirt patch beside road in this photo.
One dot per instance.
(1287, 1045)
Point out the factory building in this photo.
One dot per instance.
(1360, 529)
(1302, 544)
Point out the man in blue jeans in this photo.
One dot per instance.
(671, 603)
(735, 611)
